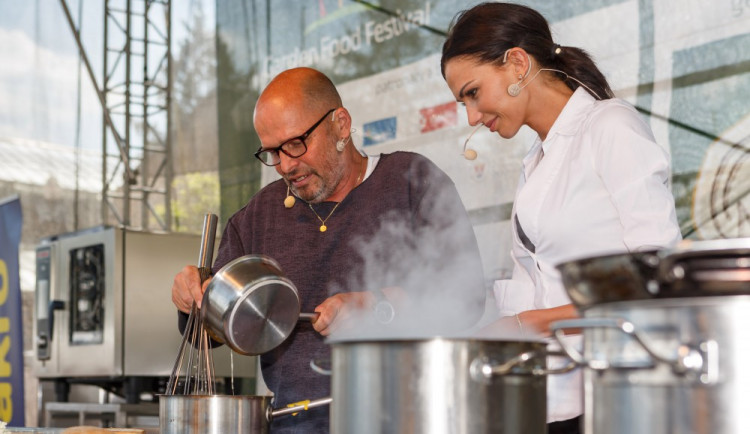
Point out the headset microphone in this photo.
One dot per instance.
(289, 200)
(471, 154)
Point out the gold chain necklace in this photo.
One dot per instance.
(323, 226)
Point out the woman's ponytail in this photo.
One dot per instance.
(488, 30)
(577, 63)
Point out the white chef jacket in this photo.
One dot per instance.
(600, 186)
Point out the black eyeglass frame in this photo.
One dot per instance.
(302, 137)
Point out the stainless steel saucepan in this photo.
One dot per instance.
(251, 306)
(223, 414)
(693, 269)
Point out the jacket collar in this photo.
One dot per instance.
(567, 123)
(571, 117)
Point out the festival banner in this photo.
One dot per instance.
(11, 324)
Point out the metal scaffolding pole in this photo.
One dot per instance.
(136, 99)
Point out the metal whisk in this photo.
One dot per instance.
(194, 360)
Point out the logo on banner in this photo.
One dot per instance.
(369, 33)
(379, 131)
(437, 117)
(11, 325)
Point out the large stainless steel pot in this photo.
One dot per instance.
(222, 414)
(435, 386)
(666, 366)
(665, 338)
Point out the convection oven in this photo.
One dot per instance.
(104, 307)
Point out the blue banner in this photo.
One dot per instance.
(11, 325)
(380, 131)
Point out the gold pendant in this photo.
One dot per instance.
(323, 228)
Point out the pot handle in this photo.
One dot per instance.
(309, 316)
(703, 361)
(482, 369)
(296, 407)
(206, 253)
(315, 365)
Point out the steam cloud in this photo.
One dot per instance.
(435, 274)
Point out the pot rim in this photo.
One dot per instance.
(215, 397)
(403, 340)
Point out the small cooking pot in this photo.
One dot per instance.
(610, 278)
(223, 414)
(693, 269)
(251, 306)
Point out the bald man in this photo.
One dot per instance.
(350, 231)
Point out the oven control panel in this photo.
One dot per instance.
(43, 283)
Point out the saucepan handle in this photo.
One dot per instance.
(686, 360)
(311, 316)
(297, 407)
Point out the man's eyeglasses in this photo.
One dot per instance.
(294, 147)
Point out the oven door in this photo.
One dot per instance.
(88, 328)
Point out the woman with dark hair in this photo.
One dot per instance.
(594, 182)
